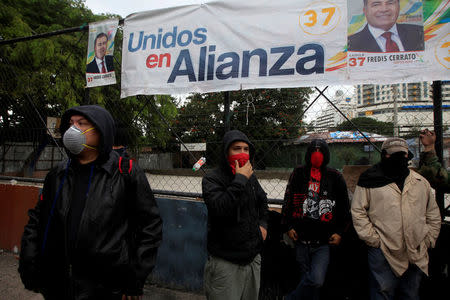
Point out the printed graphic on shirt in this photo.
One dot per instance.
(297, 205)
(312, 205)
(326, 210)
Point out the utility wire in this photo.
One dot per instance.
(353, 124)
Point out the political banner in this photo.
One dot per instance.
(232, 45)
(100, 55)
(398, 40)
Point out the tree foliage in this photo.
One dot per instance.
(268, 117)
(263, 114)
(269, 114)
(368, 125)
(46, 76)
(346, 154)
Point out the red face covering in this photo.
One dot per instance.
(316, 159)
(242, 159)
(316, 162)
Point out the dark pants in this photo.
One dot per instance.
(224, 280)
(313, 261)
(384, 285)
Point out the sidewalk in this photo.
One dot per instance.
(11, 288)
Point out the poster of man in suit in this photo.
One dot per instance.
(100, 58)
(385, 26)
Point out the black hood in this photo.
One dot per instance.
(231, 137)
(383, 173)
(323, 146)
(374, 177)
(102, 120)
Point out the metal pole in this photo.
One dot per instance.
(87, 97)
(395, 94)
(438, 146)
(84, 27)
(226, 112)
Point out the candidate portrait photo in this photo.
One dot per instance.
(385, 26)
(102, 63)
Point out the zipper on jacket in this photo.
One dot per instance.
(83, 214)
(66, 251)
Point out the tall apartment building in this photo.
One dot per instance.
(409, 105)
(330, 117)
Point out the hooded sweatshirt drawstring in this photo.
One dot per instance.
(53, 206)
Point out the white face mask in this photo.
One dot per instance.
(75, 140)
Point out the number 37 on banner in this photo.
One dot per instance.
(320, 17)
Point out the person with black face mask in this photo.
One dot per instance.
(395, 213)
(315, 215)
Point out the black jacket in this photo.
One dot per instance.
(332, 190)
(118, 234)
(92, 67)
(237, 206)
(410, 35)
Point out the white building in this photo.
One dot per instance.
(409, 105)
(330, 117)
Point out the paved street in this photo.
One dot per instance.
(11, 288)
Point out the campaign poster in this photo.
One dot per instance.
(100, 54)
(385, 34)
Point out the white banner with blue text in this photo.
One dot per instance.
(233, 44)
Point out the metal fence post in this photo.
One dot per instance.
(438, 129)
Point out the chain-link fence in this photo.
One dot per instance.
(41, 78)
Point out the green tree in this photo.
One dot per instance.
(200, 118)
(346, 154)
(368, 125)
(47, 75)
(268, 116)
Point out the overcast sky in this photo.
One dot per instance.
(126, 7)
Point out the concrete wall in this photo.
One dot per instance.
(13, 157)
(15, 201)
(181, 256)
(158, 161)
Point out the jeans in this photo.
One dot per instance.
(384, 285)
(313, 261)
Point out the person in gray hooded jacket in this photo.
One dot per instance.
(237, 222)
(95, 231)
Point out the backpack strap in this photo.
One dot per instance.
(125, 164)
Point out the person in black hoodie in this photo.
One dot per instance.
(95, 231)
(315, 214)
(237, 222)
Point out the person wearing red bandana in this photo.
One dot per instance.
(315, 214)
(237, 222)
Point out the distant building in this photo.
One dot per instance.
(330, 118)
(414, 104)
